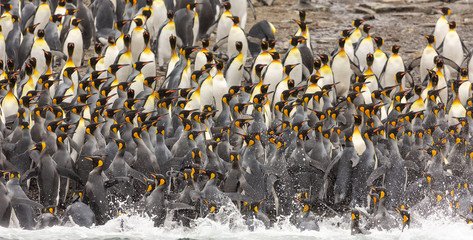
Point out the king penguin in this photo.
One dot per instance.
(341, 68)
(442, 27)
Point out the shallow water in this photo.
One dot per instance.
(136, 227)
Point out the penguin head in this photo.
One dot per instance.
(302, 15)
(302, 25)
(82, 98)
(395, 49)
(14, 174)
(445, 11)
(61, 137)
(77, 196)
(430, 38)
(346, 33)
(227, 5)
(127, 40)
(75, 22)
(235, 19)
(138, 22)
(379, 41)
(146, 13)
(259, 69)
(369, 59)
(170, 15)
(295, 40)
(205, 43)
(366, 28)
(398, 77)
(50, 210)
(192, 6)
(288, 68)
(52, 126)
(70, 49)
(324, 58)
(272, 43)
(6, 7)
(314, 79)
(39, 146)
(41, 33)
(317, 64)
(121, 144)
(452, 25)
(91, 128)
(264, 46)
(357, 23)
(32, 28)
(341, 42)
(97, 161)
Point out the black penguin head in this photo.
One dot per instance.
(120, 143)
(259, 69)
(295, 40)
(324, 58)
(399, 76)
(52, 126)
(366, 28)
(32, 28)
(275, 55)
(235, 19)
(90, 129)
(191, 6)
(147, 13)
(238, 46)
(341, 42)
(272, 43)
(6, 7)
(346, 33)
(302, 25)
(317, 64)
(39, 146)
(430, 38)
(357, 22)
(369, 59)
(395, 49)
(464, 72)
(379, 41)
(138, 22)
(452, 25)
(196, 155)
(445, 11)
(97, 161)
(127, 40)
(264, 45)
(288, 68)
(77, 196)
(205, 43)
(227, 5)
(302, 15)
(75, 22)
(50, 210)
(170, 15)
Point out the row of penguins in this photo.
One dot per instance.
(357, 133)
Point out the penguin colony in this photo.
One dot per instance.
(358, 131)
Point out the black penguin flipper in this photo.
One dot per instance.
(29, 174)
(411, 165)
(220, 43)
(65, 172)
(249, 190)
(355, 68)
(413, 64)
(25, 201)
(74, 145)
(136, 175)
(378, 172)
(178, 206)
(252, 8)
(239, 197)
(112, 182)
(451, 63)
